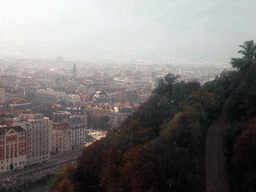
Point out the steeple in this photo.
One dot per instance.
(74, 74)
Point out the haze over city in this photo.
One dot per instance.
(127, 95)
(134, 30)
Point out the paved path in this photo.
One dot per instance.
(216, 173)
(54, 159)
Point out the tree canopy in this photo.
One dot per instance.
(161, 147)
(248, 58)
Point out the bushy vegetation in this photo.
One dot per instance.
(161, 147)
(98, 121)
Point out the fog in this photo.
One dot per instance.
(147, 30)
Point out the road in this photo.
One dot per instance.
(216, 173)
(96, 134)
(35, 169)
(56, 162)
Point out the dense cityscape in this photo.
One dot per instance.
(127, 96)
(50, 107)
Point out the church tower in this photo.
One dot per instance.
(74, 73)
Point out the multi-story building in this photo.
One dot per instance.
(99, 109)
(119, 115)
(49, 96)
(13, 149)
(2, 95)
(61, 138)
(78, 132)
(38, 137)
(60, 116)
(74, 99)
(72, 121)
(79, 112)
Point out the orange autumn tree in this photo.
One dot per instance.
(64, 186)
(138, 168)
(69, 170)
(154, 165)
(244, 157)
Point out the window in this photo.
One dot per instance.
(15, 164)
(2, 167)
(20, 162)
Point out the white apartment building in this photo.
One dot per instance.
(49, 96)
(38, 137)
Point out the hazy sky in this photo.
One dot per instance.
(149, 30)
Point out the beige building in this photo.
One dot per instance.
(49, 96)
(38, 137)
(99, 109)
(119, 115)
(61, 138)
(69, 130)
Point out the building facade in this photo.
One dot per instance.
(13, 149)
(118, 116)
(79, 112)
(38, 137)
(78, 132)
(69, 130)
(49, 96)
(61, 138)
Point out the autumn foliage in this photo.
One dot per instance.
(69, 170)
(64, 186)
(161, 147)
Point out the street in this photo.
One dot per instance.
(56, 162)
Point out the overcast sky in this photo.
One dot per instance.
(149, 30)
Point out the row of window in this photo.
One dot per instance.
(21, 162)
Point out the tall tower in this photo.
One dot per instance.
(74, 73)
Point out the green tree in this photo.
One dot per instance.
(249, 54)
